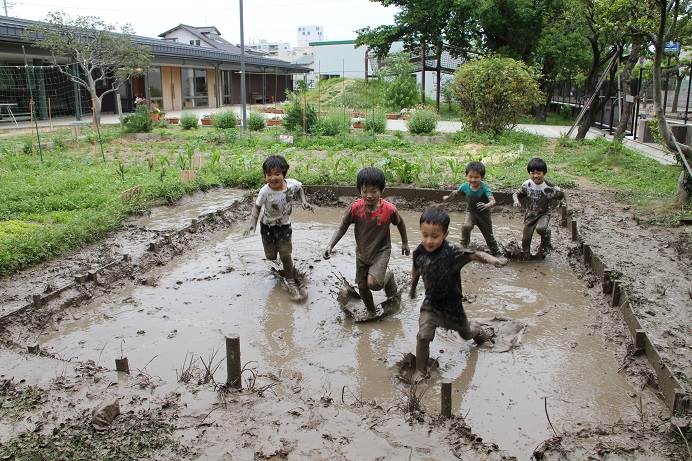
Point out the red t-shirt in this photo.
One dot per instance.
(371, 229)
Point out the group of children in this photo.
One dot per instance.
(435, 259)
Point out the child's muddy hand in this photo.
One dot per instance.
(445, 198)
(248, 231)
(307, 206)
(327, 253)
(405, 250)
(501, 262)
(517, 204)
(482, 206)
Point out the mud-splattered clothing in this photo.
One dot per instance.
(277, 204)
(473, 197)
(538, 198)
(371, 229)
(441, 272)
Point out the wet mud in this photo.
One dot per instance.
(226, 287)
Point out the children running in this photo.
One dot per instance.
(372, 216)
(275, 226)
(480, 200)
(539, 192)
(440, 264)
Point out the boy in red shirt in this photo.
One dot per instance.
(372, 215)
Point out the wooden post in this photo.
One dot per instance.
(615, 298)
(50, 116)
(233, 362)
(563, 216)
(31, 121)
(575, 233)
(446, 399)
(122, 364)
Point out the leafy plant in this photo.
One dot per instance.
(121, 170)
(423, 122)
(189, 121)
(494, 91)
(219, 136)
(28, 147)
(255, 121)
(139, 122)
(296, 119)
(407, 171)
(215, 158)
(376, 123)
(225, 120)
(333, 124)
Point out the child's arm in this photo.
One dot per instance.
(252, 223)
(518, 193)
(415, 275)
(486, 206)
(450, 196)
(404, 239)
(303, 201)
(482, 257)
(340, 232)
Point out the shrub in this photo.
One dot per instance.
(294, 120)
(333, 124)
(225, 120)
(376, 123)
(221, 136)
(139, 122)
(401, 93)
(255, 121)
(189, 121)
(494, 91)
(422, 122)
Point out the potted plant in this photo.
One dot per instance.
(358, 122)
(206, 120)
(274, 121)
(406, 113)
(393, 116)
(173, 120)
(156, 114)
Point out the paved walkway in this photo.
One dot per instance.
(653, 151)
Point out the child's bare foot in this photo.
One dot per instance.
(485, 334)
(293, 290)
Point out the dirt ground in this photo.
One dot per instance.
(46, 397)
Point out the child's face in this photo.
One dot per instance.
(432, 236)
(275, 179)
(371, 195)
(537, 176)
(474, 178)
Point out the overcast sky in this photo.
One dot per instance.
(274, 20)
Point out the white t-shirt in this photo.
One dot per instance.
(277, 204)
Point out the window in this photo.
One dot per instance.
(155, 86)
(194, 88)
(194, 42)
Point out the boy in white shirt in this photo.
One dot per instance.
(275, 225)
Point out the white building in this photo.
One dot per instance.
(281, 50)
(307, 34)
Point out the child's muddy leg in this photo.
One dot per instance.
(366, 295)
(543, 229)
(285, 250)
(485, 224)
(427, 324)
(422, 355)
(466, 229)
(526, 237)
(390, 287)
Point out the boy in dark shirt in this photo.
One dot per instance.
(538, 193)
(479, 201)
(372, 216)
(440, 264)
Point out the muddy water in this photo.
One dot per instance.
(227, 288)
(189, 207)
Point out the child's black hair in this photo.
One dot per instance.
(275, 162)
(370, 176)
(537, 164)
(435, 215)
(476, 166)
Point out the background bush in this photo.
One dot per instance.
(376, 123)
(333, 124)
(493, 92)
(139, 122)
(422, 122)
(255, 121)
(189, 121)
(293, 121)
(224, 120)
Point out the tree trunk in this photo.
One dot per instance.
(598, 102)
(633, 87)
(679, 77)
(438, 58)
(684, 180)
(546, 86)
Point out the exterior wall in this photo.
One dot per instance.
(211, 88)
(184, 37)
(339, 59)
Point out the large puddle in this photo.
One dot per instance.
(227, 288)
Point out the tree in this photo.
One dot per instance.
(105, 57)
(493, 92)
(400, 89)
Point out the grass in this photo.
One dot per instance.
(73, 197)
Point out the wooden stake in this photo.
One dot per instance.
(31, 121)
(575, 233)
(50, 117)
(446, 399)
(233, 362)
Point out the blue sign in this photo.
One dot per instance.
(671, 48)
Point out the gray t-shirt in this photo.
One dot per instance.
(539, 197)
(277, 204)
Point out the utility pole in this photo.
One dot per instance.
(243, 95)
(4, 4)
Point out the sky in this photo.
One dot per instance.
(273, 20)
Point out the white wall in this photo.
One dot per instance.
(184, 37)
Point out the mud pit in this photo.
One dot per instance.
(226, 287)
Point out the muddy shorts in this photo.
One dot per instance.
(276, 239)
(432, 319)
(377, 269)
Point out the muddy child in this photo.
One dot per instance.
(479, 200)
(275, 198)
(538, 193)
(371, 216)
(440, 264)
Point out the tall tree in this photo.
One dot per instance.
(105, 55)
